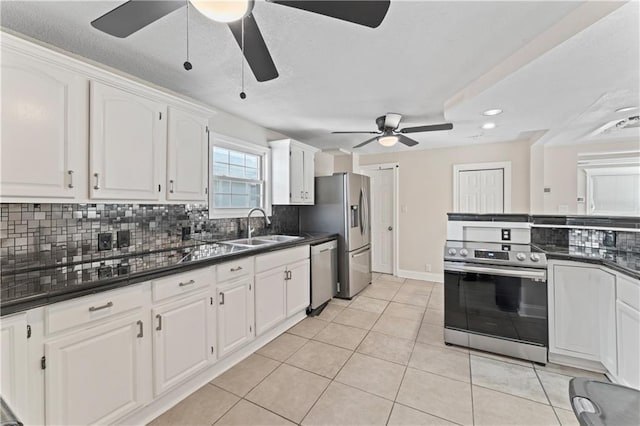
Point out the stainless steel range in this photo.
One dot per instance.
(496, 297)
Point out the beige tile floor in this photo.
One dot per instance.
(379, 359)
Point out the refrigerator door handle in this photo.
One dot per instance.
(360, 207)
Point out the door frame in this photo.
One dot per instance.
(395, 261)
(506, 174)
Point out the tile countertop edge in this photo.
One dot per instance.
(593, 260)
(35, 301)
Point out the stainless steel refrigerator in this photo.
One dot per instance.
(342, 207)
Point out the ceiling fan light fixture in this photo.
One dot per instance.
(489, 126)
(223, 10)
(494, 111)
(388, 140)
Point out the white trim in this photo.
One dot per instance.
(396, 208)
(596, 228)
(225, 141)
(504, 165)
(436, 277)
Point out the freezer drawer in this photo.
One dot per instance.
(359, 269)
(324, 272)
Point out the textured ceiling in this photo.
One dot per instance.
(333, 75)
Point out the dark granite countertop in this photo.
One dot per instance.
(192, 256)
(626, 262)
(624, 222)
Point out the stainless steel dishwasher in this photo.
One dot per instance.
(324, 273)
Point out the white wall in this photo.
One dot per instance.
(426, 195)
(323, 164)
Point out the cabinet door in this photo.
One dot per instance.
(296, 175)
(187, 156)
(606, 316)
(309, 176)
(14, 372)
(575, 308)
(128, 141)
(183, 340)
(298, 287)
(628, 320)
(96, 375)
(44, 141)
(235, 315)
(269, 299)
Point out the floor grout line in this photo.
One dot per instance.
(547, 396)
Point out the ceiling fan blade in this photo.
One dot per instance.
(407, 141)
(255, 50)
(430, 128)
(366, 142)
(392, 120)
(134, 15)
(369, 13)
(346, 133)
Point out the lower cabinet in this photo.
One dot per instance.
(14, 368)
(270, 299)
(97, 375)
(235, 314)
(628, 322)
(183, 340)
(298, 287)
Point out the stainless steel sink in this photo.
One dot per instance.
(278, 238)
(262, 241)
(249, 242)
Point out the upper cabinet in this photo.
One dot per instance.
(127, 143)
(44, 131)
(292, 170)
(187, 152)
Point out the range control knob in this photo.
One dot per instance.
(452, 252)
(464, 252)
(535, 257)
(521, 257)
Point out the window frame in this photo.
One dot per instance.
(610, 170)
(263, 152)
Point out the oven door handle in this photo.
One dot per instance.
(509, 272)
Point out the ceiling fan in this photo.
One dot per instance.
(134, 15)
(388, 133)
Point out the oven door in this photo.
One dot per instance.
(498, 301)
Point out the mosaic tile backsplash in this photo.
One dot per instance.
(46, 247)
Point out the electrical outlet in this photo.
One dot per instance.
(124, 238)
(186, 233)
(105, 241)
(427, 267)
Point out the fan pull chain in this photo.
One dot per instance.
(187, 65)
(243, 95)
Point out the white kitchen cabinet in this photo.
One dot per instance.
(628, 322)
(183, 339)
(292, 172)
(128, 140)
(235, 314)
(270, 302)
(187, 150)
(581, 312)
(298, 287)
(44, 129)
(14, 364)
(97, 375)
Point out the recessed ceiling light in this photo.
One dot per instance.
(494, 111)
(489, 126)
(625, 109)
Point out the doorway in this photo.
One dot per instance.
(384, 227)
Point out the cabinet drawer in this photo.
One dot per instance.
(184, 283)
(234, 269)
(85, 310)
(281, 257)
(629, 292)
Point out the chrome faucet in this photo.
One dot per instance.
(266, 220)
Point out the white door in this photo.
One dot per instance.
(298, 287)
(628, 320)
(43, 134)
(235, 315)
(96, 375)
(382, 220)
(128, 141)
(309, 176)
(14, 365)
(269, 299)
(296, 174)
(481, 191)
(187, 148)
(183, 340)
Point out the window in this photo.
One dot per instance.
(237, 178)
(614, 191)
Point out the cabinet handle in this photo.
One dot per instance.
(171, 186)
(221, 298)
(187, 283)
(306, 195)
(70, 173)
(141, 329)
(97, 185)
(286, 275)
(239, 268)
(159, 327)
(97, 308)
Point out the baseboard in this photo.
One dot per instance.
(436, 277)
